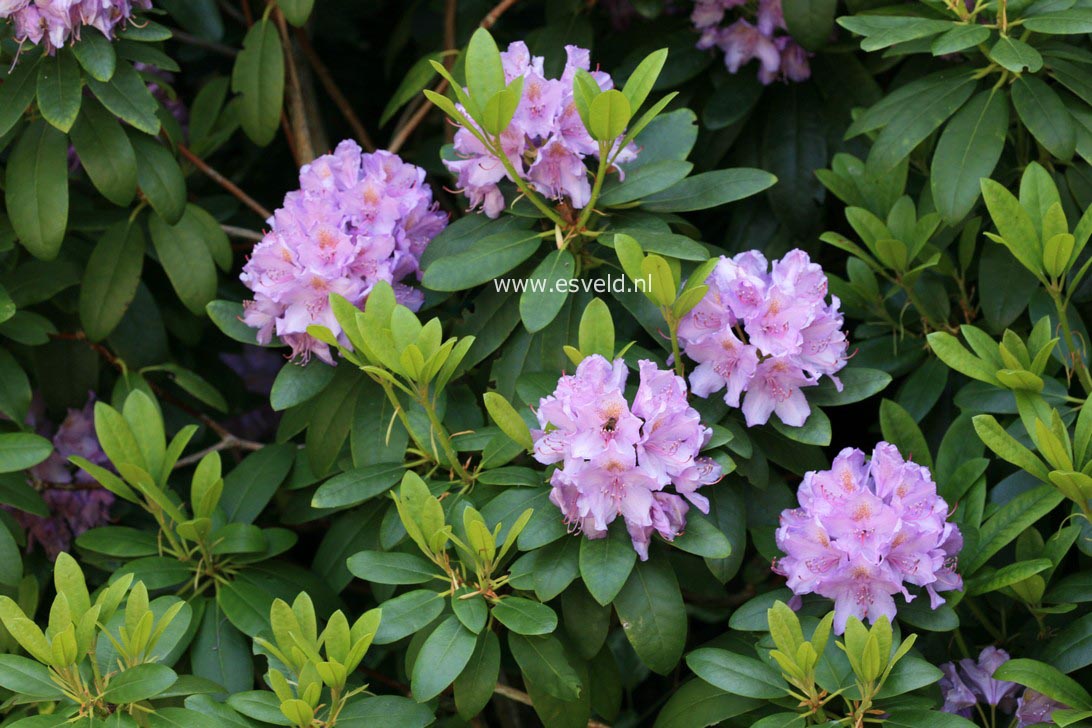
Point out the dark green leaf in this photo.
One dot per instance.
(258, 77)
(111, 278)
(710, 189)
(59, 89)
(37, 189)
(651, 610)
(967, 151)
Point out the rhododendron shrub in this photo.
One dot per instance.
(524, 363)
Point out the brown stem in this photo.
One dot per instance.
(224, 182)
(331, 87)
(494, 15)
(227, 443)
(521, 697)
(189, 39)
(297, 115)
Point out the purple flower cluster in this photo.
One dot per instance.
(760, 38)
(356, 220)
(617, 459)
(76, 503)
(53, 22)
(546, 142)
(866, 530)
(971, 682)
(768, 334)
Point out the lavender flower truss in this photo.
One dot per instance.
(769, 334)
(969, 684)
(75, 502)
(762, 38)
(546, 142)
(866, 530)
(357, 219)
(616, 460)
(52, 23)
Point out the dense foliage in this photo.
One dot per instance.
(574, 363)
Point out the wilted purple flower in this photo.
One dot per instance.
(53, 22)
(971, 682)
(758, 36)
(616, 459)
(1034, 708)
(76, 503)
(864, 531)
(546, 142)
(767, 333)
(356, 220)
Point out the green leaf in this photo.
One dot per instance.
(544, 664)
(296, 12)
(111, 279)
(967, 151)
(127, 97)
(418, 77)
(139, 683)
(258, 76)
(858, 383)
(950, 351)
(386, 711)
(596, 333)
(525, 616)
(900, 430)
(710, 189)
(331, 419)
(1073, 21)
(641, 82)
(15, 394)
(697, 703)
(1015, 55)
(356, 486)
(408, 613)
(486, 258)
(162, 182)
(299, 383)
(651, 611)
(959, 38)
(471, 611)
(227, 315)
(910, 127)
(220, 652)
(1009, 522)
(96, 54)
(11, 562)
(251, 485)
(702, 538)
(1047, 680)
(60, 90)
(1005, 576)
(645, 180)
(105, 153)
(484, 71)
(546, 290)
(882, 31)
(260, 705)
(475, 684)
(186, 259)
(1008, 448)
(737, 674)
(119, 541)
(809, 22)
(391, 568)
(442, 658)
(17, 92)
(1045, 116)
(1014, 225)
(37, 189)
(22, 450)
(28, 678)
(609, 115)
(605, 564)
(510, 422)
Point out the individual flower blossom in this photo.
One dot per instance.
(75, 501)
(545, 144)
(767, 332)
(864, 531)
(972, 682)
(617, 458)
(1034, 708)
(760, 36)
(356, 220)
(52, 23)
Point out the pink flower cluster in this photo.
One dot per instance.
(769, 334)
(866, 530)
(357, 219)
(76, 503)
(53, 22)
(761, 38)
(617, 459)
(546, 142)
